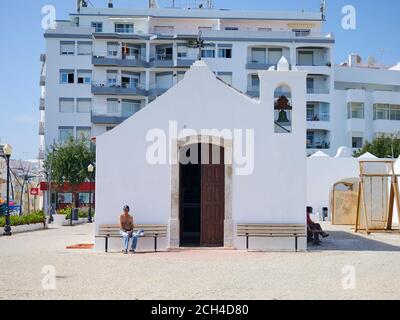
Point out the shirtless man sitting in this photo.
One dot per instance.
(126, 226)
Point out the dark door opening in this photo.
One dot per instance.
(202, 198)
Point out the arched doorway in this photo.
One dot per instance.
(202, 195)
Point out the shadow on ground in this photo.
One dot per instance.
(345, 241)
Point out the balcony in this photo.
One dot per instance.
(104, 88)
(157, 90)
(41, 128)
(135, 60)
(355, 95)
(162, 61)
(317, 112)
(42, 81)
(41, 104)
(256, 65)
(111, 116)
(187, 60)
(253, 90)
(318, 140)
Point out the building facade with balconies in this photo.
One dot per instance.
(105, 64)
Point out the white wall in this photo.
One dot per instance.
(200, 101)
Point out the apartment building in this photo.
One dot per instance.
(105, 64)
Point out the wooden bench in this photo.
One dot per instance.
(272, 231)
(155, 231)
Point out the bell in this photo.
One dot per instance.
(283, 118)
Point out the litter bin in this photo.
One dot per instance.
(75, 214)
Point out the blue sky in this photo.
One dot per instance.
(378, 24)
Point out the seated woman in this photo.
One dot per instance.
(315, 229)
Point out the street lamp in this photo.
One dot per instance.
(7, 151)
(90, 170)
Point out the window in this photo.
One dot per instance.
(302, 32)
(225, 51)
(381, 112)
(84, 48)
(83, 105)
(112, 49)
(310, 85)
(231, 28)
(84, 76)
(306, 58)
(113, 107)
(274, 55)
(130, 51)
(66, 105)
(112, 76)
(164, 30)
(67, 76)
(265, 29)
(310, 112)
(124, 28)
(84, 198)
(83, 133)
(164, 52)
(164, 80)
(130, 79)
(208, 51)
(67, 48)
(130, 107)
(258, 55)
(64, 198)
(109, 128)
(255, 82)
(357, 142)
(65, 133)
(225, 77)
(98, 26)
(355, 110)
(182, 51)
(394, 112)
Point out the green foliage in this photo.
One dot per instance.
(82, 213)
(382, 147)
(33, 218)
(68, 163)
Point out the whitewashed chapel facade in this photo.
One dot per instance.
(263, 151)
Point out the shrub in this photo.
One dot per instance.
(33, 218)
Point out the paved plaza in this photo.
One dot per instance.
(346, 266)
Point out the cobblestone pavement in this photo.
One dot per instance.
(325, 272)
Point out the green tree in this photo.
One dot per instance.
(68, 163)
(382, 147)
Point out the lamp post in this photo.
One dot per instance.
(90, 170)
(7, 151)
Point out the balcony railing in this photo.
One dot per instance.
(259, 65)
(318, 117)
(320, 145)
(156, 90)
(119, 59)
(253, 91)
(113, 114)
(105, 88)
(317, 90)
(187, 60)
